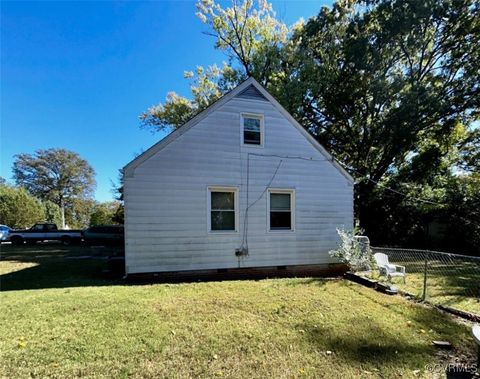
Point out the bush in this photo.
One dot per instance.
(105, 213)
(351, 252)
(53, 213)
(19, 209)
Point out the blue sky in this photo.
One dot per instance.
(77, 75)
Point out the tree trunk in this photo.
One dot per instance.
(363, 192)
(62, 209)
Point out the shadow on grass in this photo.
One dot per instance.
(53, 266)
(57, 266)
(319, 281)
(371, 342)
(428, 319)
(367, 342)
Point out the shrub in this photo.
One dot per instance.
(19, 209)
(53, 213)
(351, 252)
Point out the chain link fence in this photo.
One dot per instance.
(449, 280)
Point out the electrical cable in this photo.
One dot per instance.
(245, 218)
(282, 157)
(407, 196)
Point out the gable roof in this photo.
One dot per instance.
(250, 89)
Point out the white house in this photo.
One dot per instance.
(241, 185)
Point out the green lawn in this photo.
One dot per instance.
(453, 285)
(446, 291)
(60, 318)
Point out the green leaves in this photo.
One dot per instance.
(173, 113)
(377, 76)
(391, 88)
(105, 213)
(54, 174)
(19, 209)
(57, 175)
(206, 86)
(252, 39)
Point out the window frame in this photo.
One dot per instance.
(38, 228)
(262, 129)
(211, 189)
(291, 192)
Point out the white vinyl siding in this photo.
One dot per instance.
(167, 206)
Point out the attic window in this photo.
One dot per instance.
(252, 129)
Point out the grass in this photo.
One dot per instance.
(441, 290)
(44, 266)
(60, 318)
(455, 285)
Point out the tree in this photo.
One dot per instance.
(58, 175)
(252, 38)
(469, 148)
(376, 78)
(249, 33)
(19, 209)
(439, 209)
(119, 216)
(104, 213)
(78, 212)
(370, 80)
(447, 220)
(462, 214)
(53, 213)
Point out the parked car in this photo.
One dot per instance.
(104, 235)
(45, 232)
(4, 233)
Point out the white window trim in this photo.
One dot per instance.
(262, 129)
(211, 189)
(290, 191)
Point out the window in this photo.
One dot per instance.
(281, 210)
(252, 129)
(223, 205)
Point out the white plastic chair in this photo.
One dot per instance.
(476, 338)
(476, 334)
(389, 270)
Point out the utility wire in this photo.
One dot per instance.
(407, 196)
(245, 218)
(310, 159)
(282, 157)
(391, 189)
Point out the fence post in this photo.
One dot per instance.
(425, 273)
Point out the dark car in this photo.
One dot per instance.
(104, 235)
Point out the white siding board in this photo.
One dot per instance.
(166, 207)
